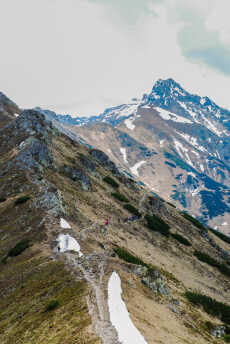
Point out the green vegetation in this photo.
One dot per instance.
(52, 305)
(120, 197)
(227, 338)
(19, 248)
(111, 182)
(128, 257)
(155, 223)
(203, 257)
(132, 209)
(220, 235)
(21, 200)
(210, 306)
(2, 199)
(181, 239)
(194, 221)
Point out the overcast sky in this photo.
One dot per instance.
(81, 56)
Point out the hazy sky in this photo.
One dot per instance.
(81, 56)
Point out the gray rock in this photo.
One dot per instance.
(218, 331)
(152, 279)
(104, 160)
(50, 200)
(77, 174)
(34, 154)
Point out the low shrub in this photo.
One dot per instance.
(111, 182)
(132, 209)
(181, 239)
(52, 305)
(155, 223)
(19, 248)
(21, 200)
(128, 257)
(120, 197)
(210, 306)
(203, 257)
(194, 221)
(226, 338)
(220, 235)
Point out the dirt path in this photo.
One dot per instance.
(93, 269)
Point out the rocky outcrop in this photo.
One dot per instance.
(218, 331)
(78, 175)
(50, 199)
(153, 279)
(104, 160)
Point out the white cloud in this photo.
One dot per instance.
(77, 56)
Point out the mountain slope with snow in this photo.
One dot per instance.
(190, 136)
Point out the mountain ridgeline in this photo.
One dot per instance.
(174, 142)
(81, 238)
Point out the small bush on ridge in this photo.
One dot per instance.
(210, 306)
(128, 257)
(120, 197)
(194, 221)
(155, 223)
(132, 209)
(204, 257)
(52, 305)
(111, 181)
(19, 248)
(21, 200)
(181, 239)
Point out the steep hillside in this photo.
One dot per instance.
(61, 264)
(8, 110)
(176, 143)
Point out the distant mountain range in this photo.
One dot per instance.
(175, 142)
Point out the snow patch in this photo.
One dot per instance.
(64, 224)
(202, 101)
(170, 116)
(16, 114)
(202, 167)
(68, 243)
(134, 169)
(119, 315)
(123, 152)
(129, 123)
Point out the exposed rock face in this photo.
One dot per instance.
(50, 199)
(34, 154)
(152, 279)
(104, 160)
(218, 331)
(77, 174)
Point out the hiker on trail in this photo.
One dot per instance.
(58, 248)
(106, 222)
